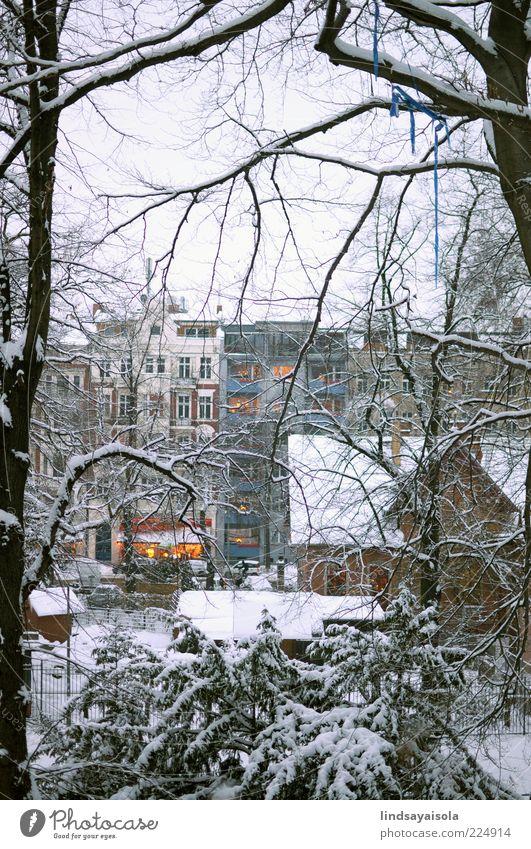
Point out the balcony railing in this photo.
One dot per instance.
(183, 381)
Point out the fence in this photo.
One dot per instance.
(54, 680)
(138, 620)
(501, 709)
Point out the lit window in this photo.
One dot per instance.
(282, 371)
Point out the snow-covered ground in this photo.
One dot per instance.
(508, 758)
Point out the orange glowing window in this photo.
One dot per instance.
(282, 371)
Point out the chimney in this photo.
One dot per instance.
(281, 574)
(475, 448)
(395, 442)
(470, 442)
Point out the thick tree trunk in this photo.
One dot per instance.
(14, 778)
(507, 79)
(19, 380)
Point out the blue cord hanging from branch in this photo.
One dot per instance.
(399, 96)
(375, 39)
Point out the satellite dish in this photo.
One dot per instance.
(204, 433)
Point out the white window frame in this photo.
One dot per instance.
(185, 367)
(183, 405)
(205, 368)
(205, 400)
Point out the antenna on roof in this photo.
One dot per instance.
(149, 275)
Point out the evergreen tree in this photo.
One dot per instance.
(108, 725)
(369, 718)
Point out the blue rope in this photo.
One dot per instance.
(412, 130)
(375, 39)
(398, 95)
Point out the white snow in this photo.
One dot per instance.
(5, 412)
(508, 758)
(55, 601)
(337, 496)
(166, 538)
(225, 614)
(8, 520)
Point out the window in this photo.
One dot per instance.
(77, 381)
(246, 372)
(205, 369)
(183, 407)
(161, 365)
(149, 365)
(106, 406)
(362, 385)
(62, 386)
(156, 405)
(125, 405)
(386, 382)
(197, 332)
(105, 368)
(126, 367)
(184, 367)
(205, 407)
(282, 371)
(406, 384)
(244, 406)
(155, 330)
(334, 405)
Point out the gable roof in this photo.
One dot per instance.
(55, 601)
(227, 614)
(338, 496)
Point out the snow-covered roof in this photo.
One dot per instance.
(507, 466)
(337, 495)
(55, 601)
(81, 568)
(166, 538)
(225, 614)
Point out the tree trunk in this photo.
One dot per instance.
(507, 80)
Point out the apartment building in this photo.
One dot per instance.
(273, 382)
(157, 371)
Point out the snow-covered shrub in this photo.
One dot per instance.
(96, 754)
(368, 718)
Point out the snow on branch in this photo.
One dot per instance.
(75, 468)
(445, 98)
(137, 60)
(427, 14)
(441, 339)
